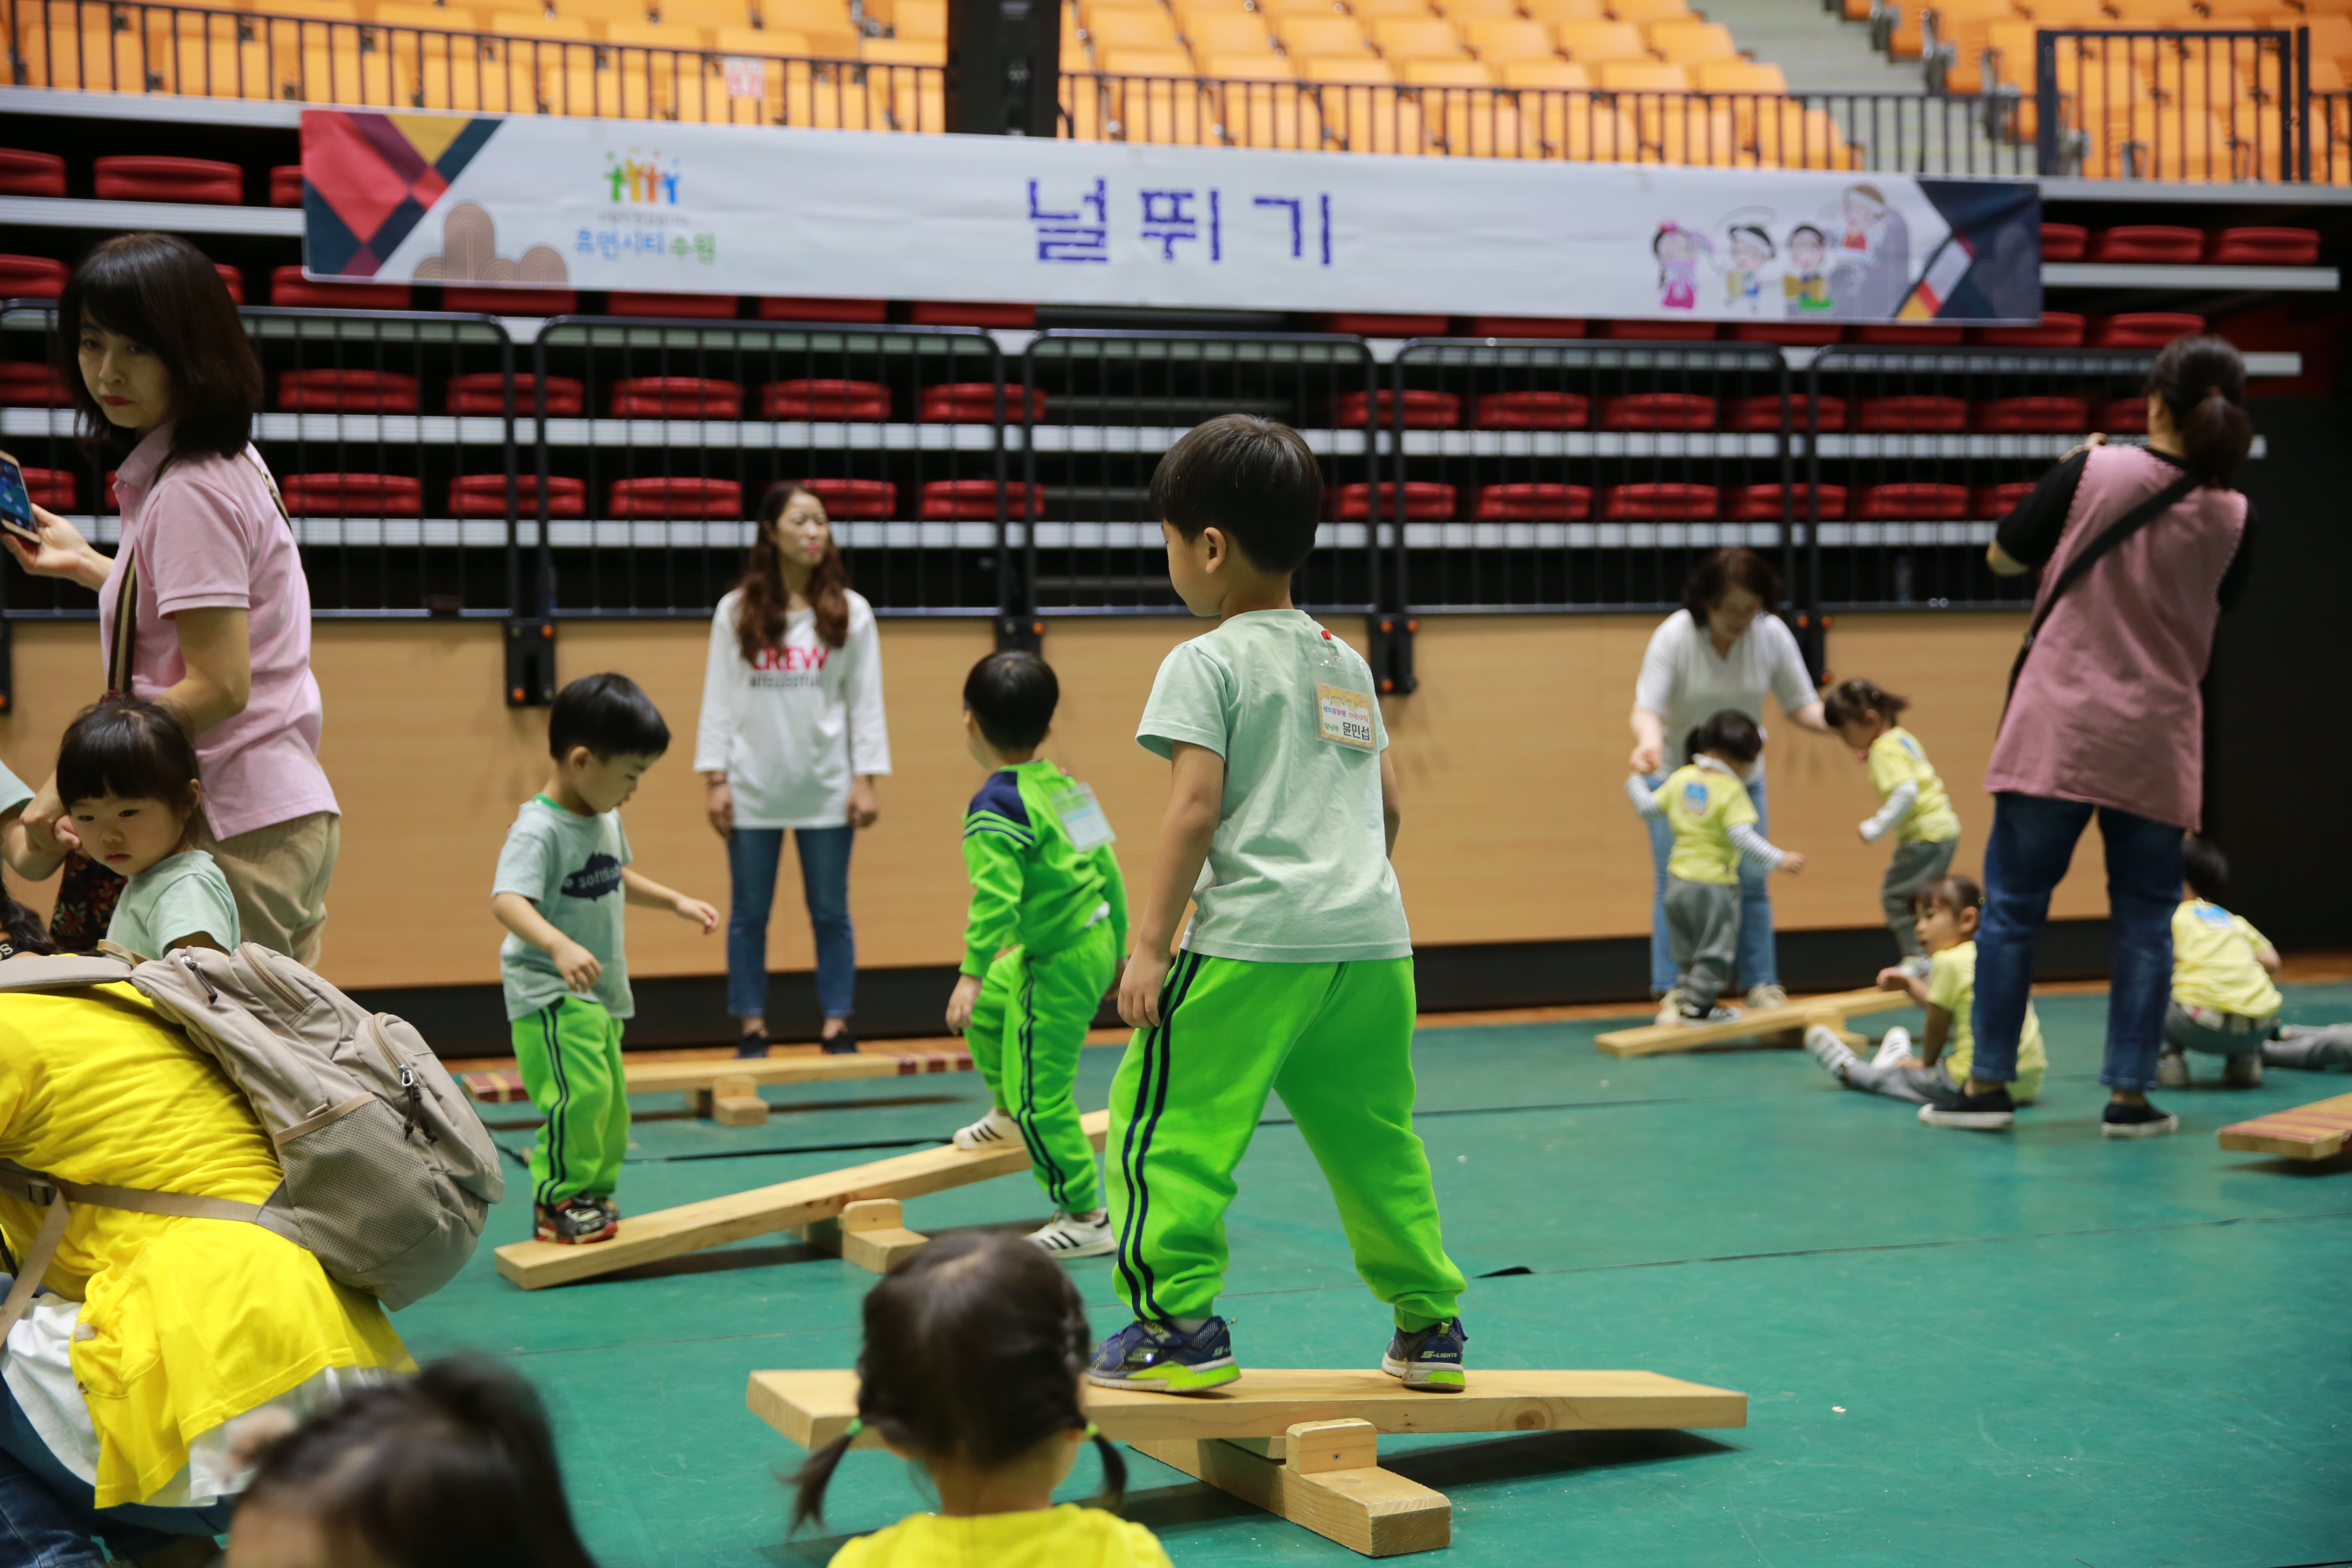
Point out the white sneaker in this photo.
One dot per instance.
(1670, 1006)
(2172, 1070)
(1766, 996)
(990, 1132)
(1076, 1235)
(1828, 1049)
(1714, 1016)
(1894, 1048)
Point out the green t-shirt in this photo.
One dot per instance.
(1299, 871)
(1038, 850)
(570, 867)
(178, 896)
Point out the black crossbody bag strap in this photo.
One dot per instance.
(2131, 522)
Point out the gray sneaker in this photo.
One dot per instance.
(2242, 1069)
(2172, 1070)
(1670, 1006)
(1766, 996)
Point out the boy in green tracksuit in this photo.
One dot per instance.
(1041, 947)
(1297, 973)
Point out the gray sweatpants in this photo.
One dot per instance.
(1913, 867)
(2183, 1032)
(1920, 1085)
(1703, 930)
(2313, 1050)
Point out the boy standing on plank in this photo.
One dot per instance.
(1297, 973)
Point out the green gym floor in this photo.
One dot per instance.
(1958, 1348)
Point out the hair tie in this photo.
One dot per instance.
(856, 1424)
(1092, 1430)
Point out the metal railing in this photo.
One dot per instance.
(2218, 105)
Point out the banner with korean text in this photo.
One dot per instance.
(549, 203)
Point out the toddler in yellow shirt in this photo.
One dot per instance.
(2223, 1001)
(1913, 804)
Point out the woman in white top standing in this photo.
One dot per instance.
(1721, 649)
(792, 737)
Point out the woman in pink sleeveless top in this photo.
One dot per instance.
(2108, 718)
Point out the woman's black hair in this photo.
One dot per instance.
(1848, 700)
(1719, 571)
(975, 1350)
(161, 292)
(1013, 694)
(130, 747)
(2202, 381)
(2204, 866)
(611, 715)
(1956, 893)
(1819, 237)
(1729, 732)
(453, 1467)
(21, 930)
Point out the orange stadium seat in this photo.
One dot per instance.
(1347, 71)
(1250, 68)
(1147, 62)
(1129, 27)
(1416, 38)
(1306, 35)
(1302, 8)
(1641, 76)
(1740, 76)
(1225, 32)
(1590, 43)
(1552, 72)
(1558, 11)
(1370, 11)
(1445, 73)
(1462, 13)
(1497, 40)
(1693, 43)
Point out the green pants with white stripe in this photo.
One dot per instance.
(1028, 1028)
(1337, 1040)
(569, 1054)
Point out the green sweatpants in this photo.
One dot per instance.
(1337, 1040)
(1026, 1031)
(569, 1054)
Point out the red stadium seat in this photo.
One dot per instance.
(1526, 327)
(2051, 413)
(146, 179)
(1795, 334)
(856, 498)
(29, 383)
(975, 403)
(1903, 334)
(1911, 412)
(286, 186)
(2147, 242)
(1422, 410)
(32, 277)
(676, 496)
(1531, 411)
(231, 279)
(349, 495)
(1885, 503)
(969, 313)
(1364, 324)
(2063, 241)
(1658, 501)
(1761, 503)
(31, 174)
(288, 287)
(511, 301)
(484, 391)
(683, 307)
(975, 500)
(1497, 503)
(345, 392)
(1421, 499)
(1998, 500)
(2058, 330)
(1657, 332)
(1763, 412)
(2124, 416)
(2263, 247)
(484, 495)
(2142, 329)
(824, 399)
(677, 397)
(55, 488)
(776, 308)
(1657, 411)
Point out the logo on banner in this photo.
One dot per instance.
(648, 182)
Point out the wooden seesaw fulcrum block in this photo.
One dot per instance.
(764, 1210)
(735, 1102)
(698, 1080)
(2314, 1132)
(1301, 1444)
(871, 1233)
(1656, 1039)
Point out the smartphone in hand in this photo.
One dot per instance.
(16, 502)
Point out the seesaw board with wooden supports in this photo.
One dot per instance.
(1756, 1023)
(764, 1210)
(1303, 1444)
(2314, 1132)
(698, 1080)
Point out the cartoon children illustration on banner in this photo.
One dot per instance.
(1677, 248)
(1748, 245)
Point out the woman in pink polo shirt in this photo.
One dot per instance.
(2108, 716)
(220, 618)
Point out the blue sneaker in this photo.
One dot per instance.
(1163, 1357)
(1428, 1358)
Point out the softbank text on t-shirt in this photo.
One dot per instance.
(569, 865)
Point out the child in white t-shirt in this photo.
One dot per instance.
(127, 771)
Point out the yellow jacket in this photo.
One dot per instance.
(1067, 1536)
(189, 1322)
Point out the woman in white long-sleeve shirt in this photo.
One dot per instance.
(791, 737)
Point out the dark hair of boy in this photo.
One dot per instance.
(609, 714)
(1252, 478)
(453, 1467)
(1012, 695)
(1729, 733)
(130, 748)
(2204, 866)
(975, 1350)
(164, 294)
(1956, 893)
(1848, 700)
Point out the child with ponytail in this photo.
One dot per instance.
(1913, 804)
(974, 1364)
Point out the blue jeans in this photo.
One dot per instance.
(2033, 842)
(1759, 964)
(46, 1515)
(753, 856)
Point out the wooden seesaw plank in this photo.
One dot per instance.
(2314, 1132)
(694, 1078)
(1654, 1039)
(764, 1210)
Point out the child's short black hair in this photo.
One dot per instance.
(609, 714)
(453, 1467)
(1956, 893)
(1013, 694)
(2205, 867)
(1729, 732)
(1252, 477)
(1848, 700)
(129, 747)
(975, 1350)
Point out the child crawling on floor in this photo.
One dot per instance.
(1945, 914)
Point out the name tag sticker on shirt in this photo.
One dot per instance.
(2214, 915)
(1346, 717)
(1082, 817)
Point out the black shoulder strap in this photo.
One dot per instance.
(2131, 522)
